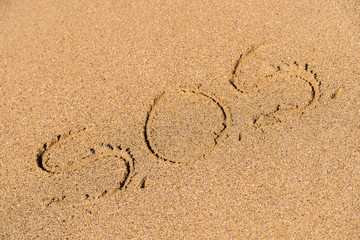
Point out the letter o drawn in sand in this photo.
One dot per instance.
(183, 125)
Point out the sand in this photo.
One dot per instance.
(179, 119)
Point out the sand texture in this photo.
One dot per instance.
(180, 119)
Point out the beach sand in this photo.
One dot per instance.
(179, 119)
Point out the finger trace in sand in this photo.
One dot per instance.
(183, 125)
(280, 88)
(105, 170)
(66, 152)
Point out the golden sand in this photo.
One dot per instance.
(179, 119)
